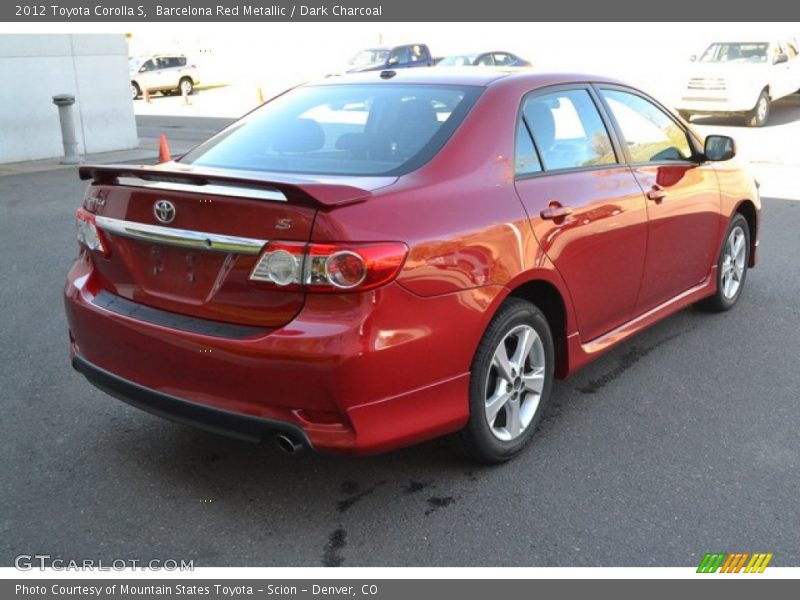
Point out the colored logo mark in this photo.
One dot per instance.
(734, 562)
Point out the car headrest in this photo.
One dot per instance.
(298, 135)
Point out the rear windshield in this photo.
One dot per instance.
(370, 129)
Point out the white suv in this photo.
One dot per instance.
(741, 77)
(162, 73)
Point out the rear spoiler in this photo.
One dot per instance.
(221, 184)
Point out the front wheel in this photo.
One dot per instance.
(135, 90)
(731, 266)
(760, 114)
(510, 383)
(186, 87)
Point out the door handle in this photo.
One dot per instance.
(555, 212)
(656, 194)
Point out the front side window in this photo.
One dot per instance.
(400, 55)
(369, 129)
(568, 130)
(651, 135)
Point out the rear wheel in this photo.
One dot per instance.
(186, 86)
(510, 383)
(731, 266)
(760, 114)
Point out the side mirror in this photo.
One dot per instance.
(693, 58)
(142, 69)
(781, 58)
(719, 148)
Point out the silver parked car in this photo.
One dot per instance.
(165, 73)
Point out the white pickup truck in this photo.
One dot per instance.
(741, 77)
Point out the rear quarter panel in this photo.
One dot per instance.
(465, 227)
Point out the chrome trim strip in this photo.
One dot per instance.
(233, 191)
(198, 240)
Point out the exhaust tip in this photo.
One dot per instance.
(286, 443)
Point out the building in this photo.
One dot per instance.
(34, 68)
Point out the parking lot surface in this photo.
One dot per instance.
(681, 442)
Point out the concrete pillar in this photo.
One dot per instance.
(64, 103)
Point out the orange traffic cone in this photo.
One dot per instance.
(147, 95)
(163, 149)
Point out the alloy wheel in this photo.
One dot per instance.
(733, 263)
(515, 383)
(761, 110)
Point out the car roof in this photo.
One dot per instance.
(483, 77)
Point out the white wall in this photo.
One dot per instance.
(34, 68)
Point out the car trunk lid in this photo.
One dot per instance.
(185, 240)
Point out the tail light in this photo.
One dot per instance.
(329, 267)
(88, 235)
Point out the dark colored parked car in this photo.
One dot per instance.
(485, 59)
(391, 57)
(369, 262)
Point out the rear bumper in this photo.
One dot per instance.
(202, 416)
(355, 374)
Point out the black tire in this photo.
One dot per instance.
(477, 440)
(136, 91)
(188, 83)
(759, 116)
(721, 301)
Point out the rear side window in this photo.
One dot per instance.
(419, 53)
(371, 129)
(568, 130)
(650, 134)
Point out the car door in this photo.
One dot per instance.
(682, 191)
(788, 71)
(160, 73)
(586, 208)
(779, 79)
(146, 74)
(172, 72)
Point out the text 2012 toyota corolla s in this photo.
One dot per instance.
(375, 260)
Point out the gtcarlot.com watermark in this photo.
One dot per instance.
(29, 562)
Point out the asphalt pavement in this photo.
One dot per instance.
(680, 442)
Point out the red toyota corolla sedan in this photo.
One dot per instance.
(379, 259)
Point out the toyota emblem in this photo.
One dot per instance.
(164, 210)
